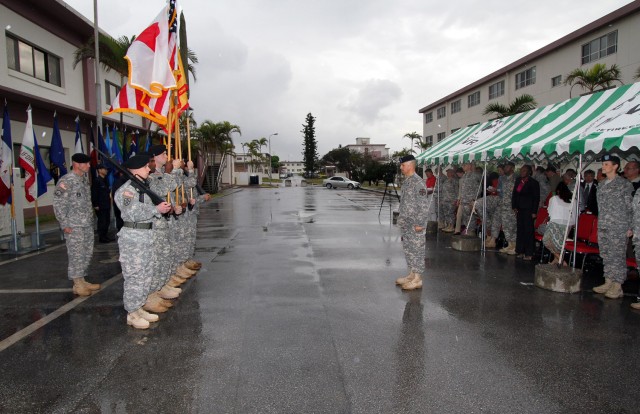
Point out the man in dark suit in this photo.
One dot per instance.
(101, 200)
(524, 201)
(589, 189)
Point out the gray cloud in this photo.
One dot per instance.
(372, 97)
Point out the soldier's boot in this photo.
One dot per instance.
(150, 317)
(165, 293)
(134, 319)
(510, 249)
(154, 305)
(402, 280)
(615, 291)
(413, 284)
(175, 281)
(448, 229)
(90, 286)
(635, 306)
(441, 225)
(603, 288)
(80, 288)
(180, 272)
(490, 242)
(192, 264)
(174, 289)
(183, 269)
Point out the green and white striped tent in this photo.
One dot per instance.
(603, 121)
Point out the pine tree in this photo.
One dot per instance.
(310, 153)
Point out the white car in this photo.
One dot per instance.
(338, 182)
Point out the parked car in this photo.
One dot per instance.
(338, 182)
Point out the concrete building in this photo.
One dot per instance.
(292, 167)
(378, 152)
(612, 39)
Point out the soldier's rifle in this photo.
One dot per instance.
(140, 185)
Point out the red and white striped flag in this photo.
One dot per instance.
(28, 160)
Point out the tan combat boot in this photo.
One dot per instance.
(490, 242)
(615, 291)
(402, 280)
(635, 306)
(604, 287)
(184, 269)
(149, 317)
(182, 272)
(413, 284)
(176, 281)
(80, 289)
(167, 293)
(192, 264)
(90, 286)
(134, 319)
(154, 305)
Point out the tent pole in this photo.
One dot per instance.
(484, 208)
(575, 199)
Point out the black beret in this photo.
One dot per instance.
(137, 161)
(157, 150)
(407, 158)
(80, 158)
(610, 157)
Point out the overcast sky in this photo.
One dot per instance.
(363, 68)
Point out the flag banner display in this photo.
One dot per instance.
(592, 123)
(152, 63)
(42, 173)
(78, 148)
(56, 152)
(6, 159)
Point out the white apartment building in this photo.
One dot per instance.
(612, 39)
(364, 146)
(292, 167)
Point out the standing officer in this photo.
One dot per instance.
(506, 217)
(448, 194)
(101, 200)
(72, 207)
(614, 223)
(412, 219)
(138, 213)
(469, 187)
(636, 236)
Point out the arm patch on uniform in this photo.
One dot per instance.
(62, 186)
(127, 197)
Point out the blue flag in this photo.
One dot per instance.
(107, 140)
(56, 153)
(42, 172)
(102, 146)
(6, 159)
(116, 152)
(147, 145)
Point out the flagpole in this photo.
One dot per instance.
(14, 224)
(96, 66)
(188, 112)
(169, 140)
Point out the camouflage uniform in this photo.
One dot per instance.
(413, 212)
(448, 195)
(505, 216)
(161, 184)
(193, 230)
(73, 209)
(135, 255)
(636, 226)
(179, 226)
(614, 220)
(469, 186)
(544, 187)
(493, 202)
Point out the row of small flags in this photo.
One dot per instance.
(36, 172)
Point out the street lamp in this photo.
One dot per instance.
(270, 168)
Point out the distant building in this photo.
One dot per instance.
(378, 152)
(292, 167)
(612, 39)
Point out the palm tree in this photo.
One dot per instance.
(423, 145)
(412, 135)
(599, 77)
(522, 103)
(216, 139)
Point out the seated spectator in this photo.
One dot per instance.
(559, 217)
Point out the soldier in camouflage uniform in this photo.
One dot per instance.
(491, 200)
(468, 192)
(73, 210)
(506, 217)
(412, 219)
(138, 213)
(448, 194)
(636, 236)
(614, 224)
(180, 228)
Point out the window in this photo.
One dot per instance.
(455, 106)
(428, 117)
(556, 81)
(496, 90)
(600, 47)
(474, 99)
(441, 112)
(428, 140)
(526, 78)
(441, 136)
(454, 130)
(28, 59)
(111, 91)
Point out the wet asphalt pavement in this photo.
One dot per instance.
(295, 311)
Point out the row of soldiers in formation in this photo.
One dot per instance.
(151, 276)
(616, 203)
